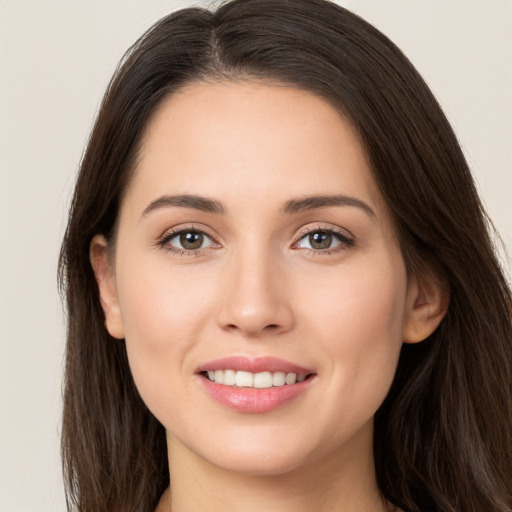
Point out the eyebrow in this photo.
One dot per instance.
(203, 204)
(292, 206)
(314, 202)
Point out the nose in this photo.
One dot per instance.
(255, 301)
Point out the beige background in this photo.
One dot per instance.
(56, 58)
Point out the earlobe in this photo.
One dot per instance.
(104, 273)
(427, 304)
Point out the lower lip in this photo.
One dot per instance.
(253, 400)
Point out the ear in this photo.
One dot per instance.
(427, 304)
(105, 277)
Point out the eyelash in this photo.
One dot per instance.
(345, 241)
(163, 242)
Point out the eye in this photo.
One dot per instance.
(324, 240)
(187, 241)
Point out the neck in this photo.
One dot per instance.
(335, 483)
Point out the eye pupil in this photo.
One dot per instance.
(320, 240)
(191, 240)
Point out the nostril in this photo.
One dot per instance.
(270, 327)
(255, 320)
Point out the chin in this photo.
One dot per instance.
(259, 464)
(264, 453)
(253, 453)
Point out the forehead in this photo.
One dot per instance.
(228, 138)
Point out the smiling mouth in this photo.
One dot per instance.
(260, 380)
(254, 385)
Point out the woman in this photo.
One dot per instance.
(281, 288)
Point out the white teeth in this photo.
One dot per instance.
(229, 378)
(244, 379)
(260, 380)
(263, 380)
(291, 378)
(279, 379)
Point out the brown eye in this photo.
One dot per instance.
(323, 240)
(320, 240)
(187, 240)
(191, 240)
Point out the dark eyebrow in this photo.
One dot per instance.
(185, 201)
(314, 202)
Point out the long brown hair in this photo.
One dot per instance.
(443, 437)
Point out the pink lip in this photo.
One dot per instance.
(252, 400)
(260, 364)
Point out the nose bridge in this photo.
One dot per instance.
(256, 300)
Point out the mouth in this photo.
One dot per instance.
(254, 385)
(260, 380)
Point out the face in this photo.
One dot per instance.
(256, 279)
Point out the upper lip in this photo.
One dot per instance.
(254, 365)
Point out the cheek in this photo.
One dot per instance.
(163, 316)
(161, 309)
(359, 324)
(357, 328)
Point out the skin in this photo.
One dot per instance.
(257, 287)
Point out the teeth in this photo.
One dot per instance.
(291, 378)
(263, 380)
(243, 380)
(260, 380)
(279, 379)
(229, 377)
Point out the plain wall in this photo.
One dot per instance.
(56, 58)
